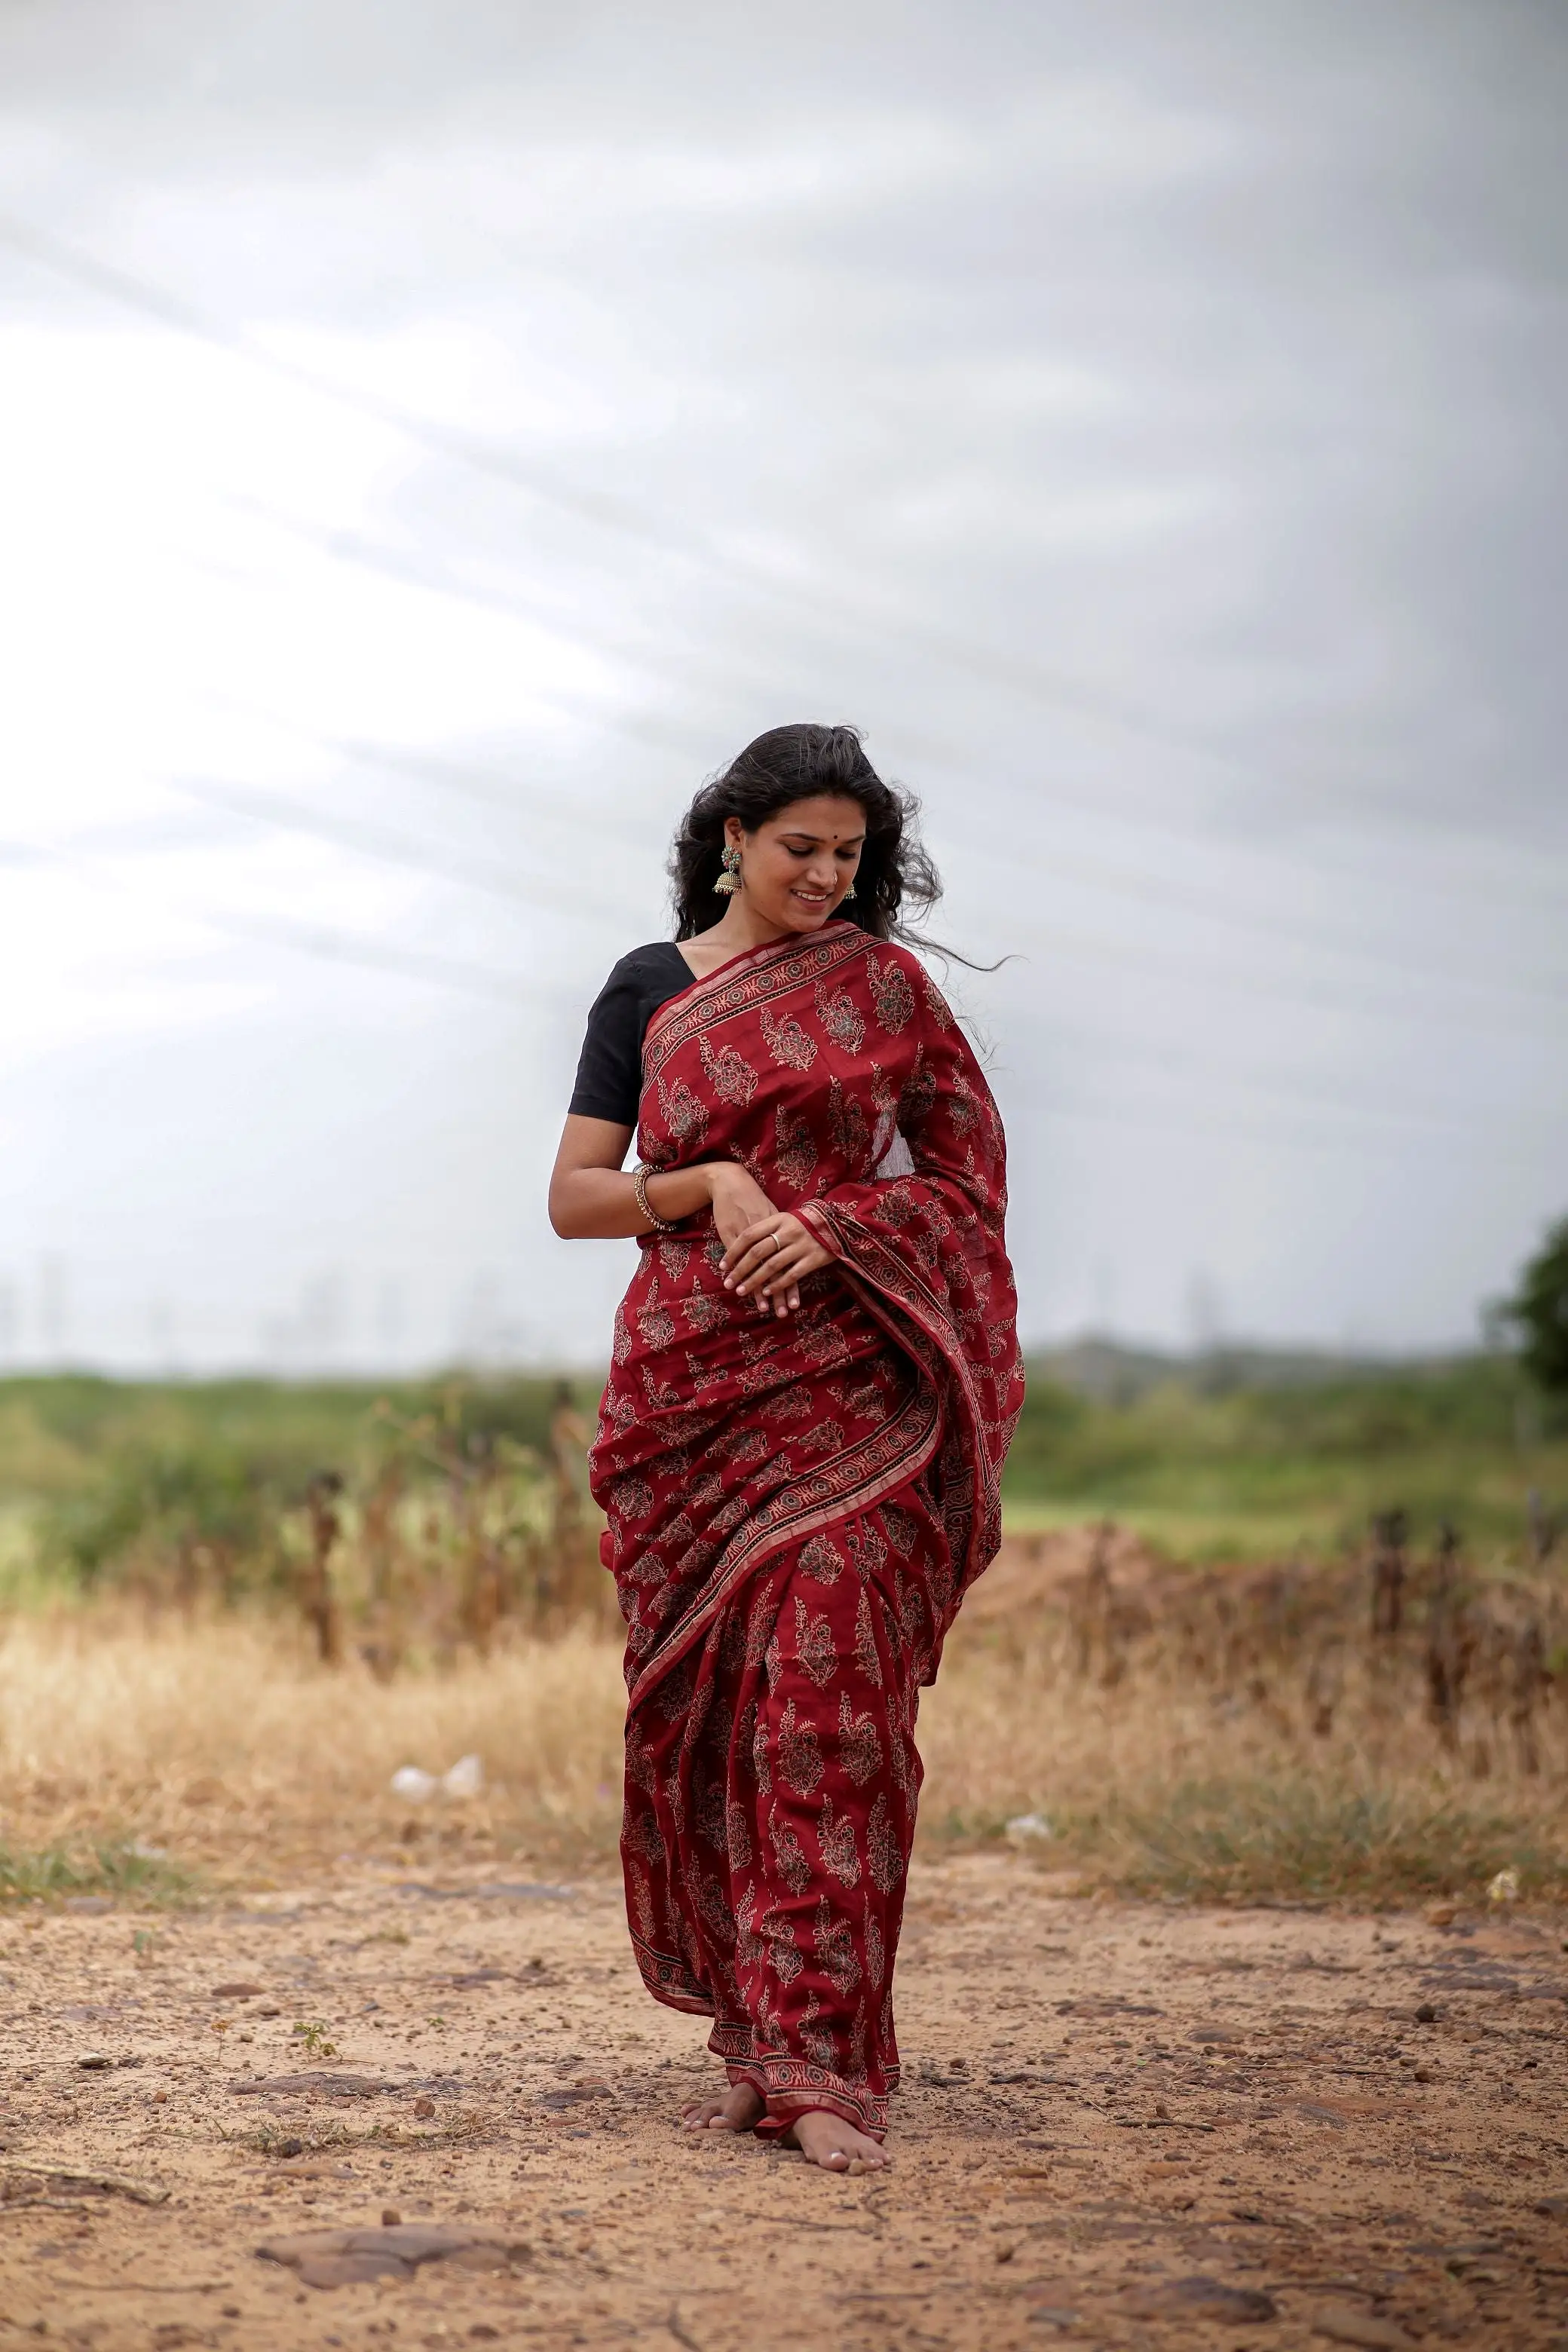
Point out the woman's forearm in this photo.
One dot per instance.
(601, 1203)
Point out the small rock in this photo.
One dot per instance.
(328, 2258)
(1200, 2298)
(424, 2107)
(391, 2218)
(1343, 2324)
(95, 2064)
(484, 2331)
(1441, 1915)
(1425, 2014)
(1053, 2314)
(228, 2311)
(237, 1992)
(1424, 2075)
(1004, 2252)
(289, 2147)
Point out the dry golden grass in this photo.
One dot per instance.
(1153, 1787)
(226, 1746)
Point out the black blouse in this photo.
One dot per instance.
(609, 1070)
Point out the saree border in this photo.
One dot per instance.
(888, 1293)
(852, 1481)
(745, 981)
(797, 2086)
(668, 1978)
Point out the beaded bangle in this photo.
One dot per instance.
(639, 1186)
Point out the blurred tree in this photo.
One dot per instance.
(1539, 1312)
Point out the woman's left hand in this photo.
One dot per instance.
(767, 1260)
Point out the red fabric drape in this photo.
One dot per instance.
(795, 1509)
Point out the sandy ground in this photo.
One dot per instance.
(1341, 2130)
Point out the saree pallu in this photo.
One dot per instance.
(795, 1507)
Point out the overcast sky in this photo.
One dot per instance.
(435, 434)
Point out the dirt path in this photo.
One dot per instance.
(1103, 2104)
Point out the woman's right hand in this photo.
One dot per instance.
(737, 1199)
(738, 1202)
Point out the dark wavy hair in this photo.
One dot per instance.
(895, 875)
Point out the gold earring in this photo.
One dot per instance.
(728, 882)
(847, 895)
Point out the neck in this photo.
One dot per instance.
(739, 930)
(741, 927)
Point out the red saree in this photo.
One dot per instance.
(795, 1509)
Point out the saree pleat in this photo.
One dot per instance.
(795, 1507)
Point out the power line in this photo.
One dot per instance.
(372, 955)
(353, 549)
(307, 939)
(447, 774)
(341, 947)
(1204, 1127)
(1216, 908)
(176, 315)
(371, 839)
(1298, 1087)
(388, 846)
(1081, 947)
(367, 838)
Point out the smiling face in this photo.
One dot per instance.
(798, 866)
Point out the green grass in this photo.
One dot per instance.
(1206, 1470)
(1242, 1457)
(50, 1425)
(90, 1468)
(51, 1873)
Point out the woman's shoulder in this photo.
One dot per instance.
(886, 951)
(892, 955)
(658, 960)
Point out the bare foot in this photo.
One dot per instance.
(836, 2145)
(740, 2111)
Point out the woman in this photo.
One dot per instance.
(816, 1377)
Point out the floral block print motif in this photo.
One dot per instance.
(768, 1823)
(795, 1508)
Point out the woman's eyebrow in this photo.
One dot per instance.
(852, 841)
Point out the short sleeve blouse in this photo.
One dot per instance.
(609, 1069)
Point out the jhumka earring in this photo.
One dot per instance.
(847, 894)
(728, 882)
